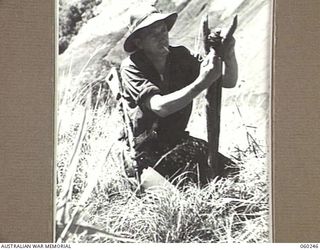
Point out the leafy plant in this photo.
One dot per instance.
(72, 17)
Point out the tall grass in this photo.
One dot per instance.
(96, 202)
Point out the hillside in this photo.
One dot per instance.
(103, 36)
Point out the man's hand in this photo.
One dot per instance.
(210, 70)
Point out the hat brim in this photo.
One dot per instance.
(169, 19)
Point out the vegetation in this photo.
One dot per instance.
(96, 202)
(72, 17)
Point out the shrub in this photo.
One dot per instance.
(72, 17)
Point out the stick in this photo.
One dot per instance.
(213, 109)
(232, 28)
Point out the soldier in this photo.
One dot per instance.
(159, 84)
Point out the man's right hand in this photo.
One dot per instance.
(210, 69)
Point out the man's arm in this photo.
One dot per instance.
(230, 76)
(164, 105)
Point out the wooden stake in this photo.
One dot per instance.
(213, 98)
(213, 109)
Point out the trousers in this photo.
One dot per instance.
(184, 162)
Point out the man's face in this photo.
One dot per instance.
(154, 39)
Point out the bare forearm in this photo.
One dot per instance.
(230, 76)
(168, 104)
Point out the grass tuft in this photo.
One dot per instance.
(97, 203)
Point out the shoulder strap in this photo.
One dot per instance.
(115, 85)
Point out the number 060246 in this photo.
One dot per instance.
(309, 245)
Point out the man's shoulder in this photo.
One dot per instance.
(127, 62)
(131, 62)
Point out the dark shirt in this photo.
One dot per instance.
(141, 80)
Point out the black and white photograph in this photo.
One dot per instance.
(163, 121)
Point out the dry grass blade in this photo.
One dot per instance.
(91, 230)
(92, 181)
(66, 192)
